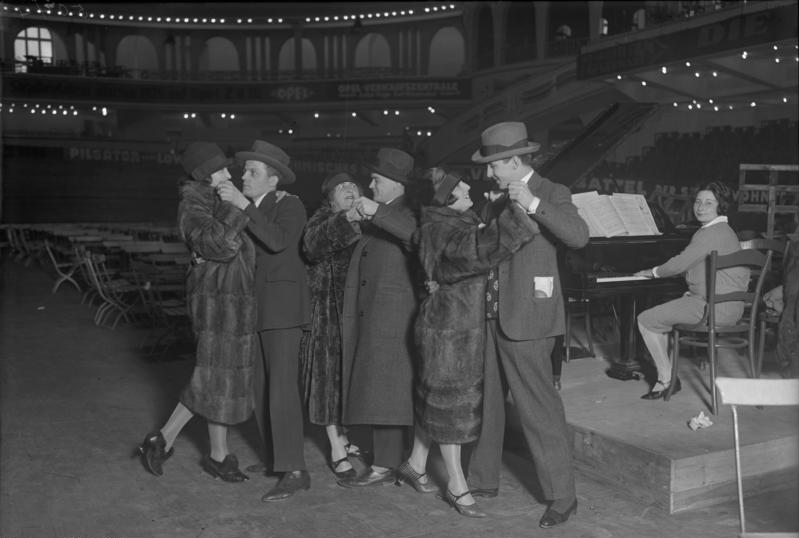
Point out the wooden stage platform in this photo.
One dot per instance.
(647, 448)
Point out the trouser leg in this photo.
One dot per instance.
(527, 368)
(389, 445)
(285, 404)
(485, 461)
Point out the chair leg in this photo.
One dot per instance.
(711, 355)
(761, 348)
(675, 357)
(588, 329)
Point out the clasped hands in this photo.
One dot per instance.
(362, 209)
(518, 191)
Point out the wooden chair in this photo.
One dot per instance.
(766, 317)
(706, 333)
(737, 391)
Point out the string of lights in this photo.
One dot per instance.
(785, 55)
(79, 12)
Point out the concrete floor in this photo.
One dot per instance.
(76, 399)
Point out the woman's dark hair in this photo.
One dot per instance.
(723, 193)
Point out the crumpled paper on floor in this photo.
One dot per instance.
(700, 421)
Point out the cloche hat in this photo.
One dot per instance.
(201, 159)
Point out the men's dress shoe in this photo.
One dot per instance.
(656, 394)
(290, 483)
(464, 510)
(488, 493)
(370, 478)
(552, 518)
(227, 470)
(406, 474)
(152, 453)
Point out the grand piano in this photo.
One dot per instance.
(603, 271)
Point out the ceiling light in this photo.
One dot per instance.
(687, 64)
(715, 74)
(664, 70)
(753, 104)
(643, 83)
(232, 116)
(354, 114)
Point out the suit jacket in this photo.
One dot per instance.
(379, 308)
(522, 315)
(281, 288)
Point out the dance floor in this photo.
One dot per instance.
(75, 400)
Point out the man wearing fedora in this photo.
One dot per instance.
(379, 308)
(524, 313)
(276, 224)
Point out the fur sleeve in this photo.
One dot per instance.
(326, 233)
(209, 227)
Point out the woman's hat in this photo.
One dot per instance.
(443, 184)
(201, 159)
(270, 155)
(331, 182)
(394, 164)
(504, 140)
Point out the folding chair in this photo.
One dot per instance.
(65, 264)
(739, 391)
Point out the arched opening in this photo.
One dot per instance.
(136, 54)
(520, 39)
(33, 49)
(447, 53)
(218, 54)
(372, 51)
(287, 56)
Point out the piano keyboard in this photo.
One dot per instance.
(625, 278)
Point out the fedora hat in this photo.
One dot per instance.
(270, 155)
(504, 140)
(394, 164)
(201, 159)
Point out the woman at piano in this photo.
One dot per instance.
(712, 203)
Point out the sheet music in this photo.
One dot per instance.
(635, 214)
(599, 213)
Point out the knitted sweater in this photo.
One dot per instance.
(693, 261)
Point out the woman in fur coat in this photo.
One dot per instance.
(223, 314)
(327, 243)
(457, 251)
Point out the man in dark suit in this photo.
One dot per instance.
(276, 224)
(524, 313)
(379, 308)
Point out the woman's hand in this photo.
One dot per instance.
(647, 273)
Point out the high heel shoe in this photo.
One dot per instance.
(462, 509)
(406, 474)
(227, 470)
(657, 394)
(152, 453)
(552, 518)
(349, 473)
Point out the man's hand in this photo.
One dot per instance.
(519, 192)
(228, 192)
(353, 215)
(366, 207)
